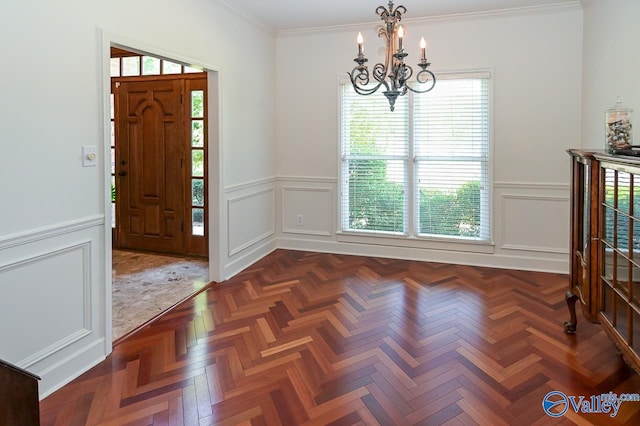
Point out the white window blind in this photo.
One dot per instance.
(451, 131)
(426, 163)
(375, 157)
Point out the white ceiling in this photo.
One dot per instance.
(282, 15)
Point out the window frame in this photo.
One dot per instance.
(412, 238)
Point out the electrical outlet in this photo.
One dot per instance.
(300, 220)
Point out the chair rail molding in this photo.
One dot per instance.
(51, 231)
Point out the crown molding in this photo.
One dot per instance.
(516, 11)
(585, 3)
(229, 7)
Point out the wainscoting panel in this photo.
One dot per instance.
(251, 219)
(52, 300)
(29, 291)
(535, 223)
(532, 220)
(307, 210)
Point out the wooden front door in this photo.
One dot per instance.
(150, 153)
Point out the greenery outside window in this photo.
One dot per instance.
(422, 170)
(375, 163)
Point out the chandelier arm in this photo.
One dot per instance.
(360, 78)
(424, 77)
(398, 12)
(362, 91)
(382, 12)
(359, 75)
(380, 72)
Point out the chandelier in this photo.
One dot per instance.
(394, 73)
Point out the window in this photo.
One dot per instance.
(134, 65)
(423, 170)
(375, 162)
(150, 65)
(197, 162)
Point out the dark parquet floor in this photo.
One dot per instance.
(307, 338)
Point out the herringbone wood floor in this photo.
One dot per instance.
(307, 338)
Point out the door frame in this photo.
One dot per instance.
(214, 157)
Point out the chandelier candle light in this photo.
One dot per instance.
(394, 73)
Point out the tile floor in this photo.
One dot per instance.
(145, 285)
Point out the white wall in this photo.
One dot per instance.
(536, 62)
(54, 269)
(611, 64)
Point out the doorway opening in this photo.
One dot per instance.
(159, 186)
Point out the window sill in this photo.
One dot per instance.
(470, 246)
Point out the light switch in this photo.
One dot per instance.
(89, 156)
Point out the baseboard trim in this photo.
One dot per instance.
(241, 263)
(500, 261)
(65, 370)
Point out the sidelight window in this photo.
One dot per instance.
(198, 163)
